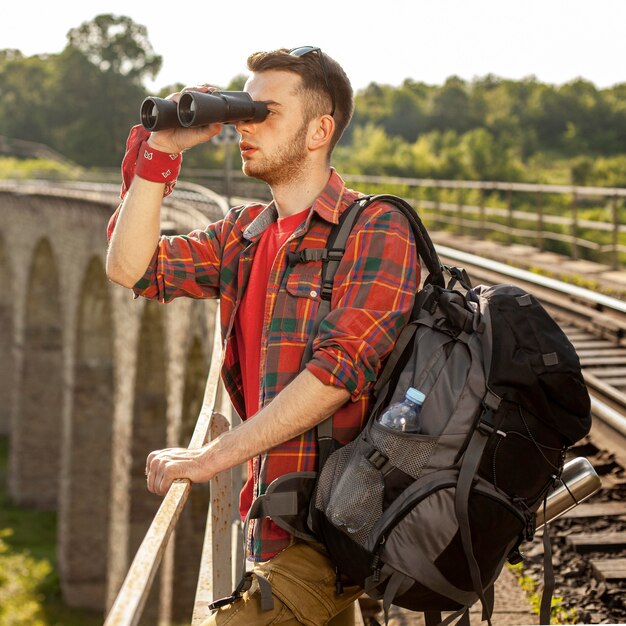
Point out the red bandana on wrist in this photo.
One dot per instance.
(136, 162)
(157, 166)
(145, 161)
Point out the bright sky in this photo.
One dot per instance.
(375, 41)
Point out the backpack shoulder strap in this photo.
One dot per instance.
(281, 504)
(331, 258)
(333, 253)
(425, 247)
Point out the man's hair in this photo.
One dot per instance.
(317, 100)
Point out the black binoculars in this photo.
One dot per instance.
(197, 108)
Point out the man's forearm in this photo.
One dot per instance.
(299, 407)
(136, 232)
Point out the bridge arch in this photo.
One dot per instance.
(84, 507)
(36, 435)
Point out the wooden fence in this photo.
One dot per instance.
(581, 222)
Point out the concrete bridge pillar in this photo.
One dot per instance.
(148, 433)
(7, 357)
(93, 380)
(84, 510)
(36, 437)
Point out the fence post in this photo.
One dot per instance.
(481, 212)
(575, 225)
(539, 207)
(459, 211)
(437, 203)
(509, 209)
(215, 576)
(614, 235)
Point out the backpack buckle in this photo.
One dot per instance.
(244, 584)
(326, 291)
(377, 459)
(486, 425)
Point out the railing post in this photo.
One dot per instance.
(437, 201)
(575, 224)
(459, 211)
(509, 210)
(614, 235)
(539, 207)
(481, 212)
(215, 577)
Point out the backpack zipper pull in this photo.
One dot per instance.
(375, 566)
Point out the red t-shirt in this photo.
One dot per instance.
(249, 320)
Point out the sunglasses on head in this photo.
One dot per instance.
(302, 51)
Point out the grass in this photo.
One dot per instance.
(28, 549)
(558, 613)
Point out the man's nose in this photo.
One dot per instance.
(245, 126)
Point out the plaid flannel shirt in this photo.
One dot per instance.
(373, 295)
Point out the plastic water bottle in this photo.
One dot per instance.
(405, 415)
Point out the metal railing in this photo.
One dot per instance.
(131, 599)
(220, 553)
(545, 216)
(549, 217)
(580, 222)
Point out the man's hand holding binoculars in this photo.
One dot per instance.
(168, 135)
(195, 115)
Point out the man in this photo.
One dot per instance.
(267, 306)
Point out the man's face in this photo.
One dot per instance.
(275, 150)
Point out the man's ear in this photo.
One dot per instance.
(321, 132)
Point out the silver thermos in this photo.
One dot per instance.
(578, 482)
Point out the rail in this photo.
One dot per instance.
(528, 215)
(583, 222)
(131, 599)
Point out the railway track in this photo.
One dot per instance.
(589, 542)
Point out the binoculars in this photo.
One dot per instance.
(197, 108)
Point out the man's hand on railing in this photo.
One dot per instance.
(165, 466)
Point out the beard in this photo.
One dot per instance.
(284, 165)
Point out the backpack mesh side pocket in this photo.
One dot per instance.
(351, 488)
(410, 453)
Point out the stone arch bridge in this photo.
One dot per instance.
(91, 380)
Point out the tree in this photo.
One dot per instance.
(452, 108)
(24, 96)
(407, 118)
(116, 44)
(98, 88)
(92, 111)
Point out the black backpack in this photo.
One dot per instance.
(443, 510)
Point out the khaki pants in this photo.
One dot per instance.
(303, 589)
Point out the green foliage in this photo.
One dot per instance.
(30, 593)
(559, 614)
(83, 101)
(20, 577)
(237, 83)
(476, 154)
(12, 168)
(115, 44)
